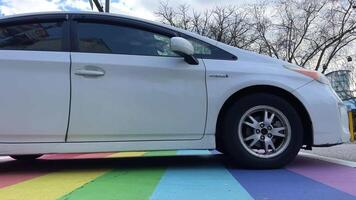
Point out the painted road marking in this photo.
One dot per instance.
(282, 184)
(125, 154)
(161, 153)
(126, 183)
(193, 152)
(306, 178)
(337, 176)
(60, 156)
(51, 186)
(93, 155)
(11, 178)
(129, 183)
(328, 159)
(212, 182)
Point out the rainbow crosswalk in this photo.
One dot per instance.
(169, 175)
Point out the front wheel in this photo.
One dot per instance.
(262, 131)
(26, 157)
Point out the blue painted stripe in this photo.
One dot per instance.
(282, 184)
(193, 152)
(211, 181)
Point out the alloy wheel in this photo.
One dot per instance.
(264, 131)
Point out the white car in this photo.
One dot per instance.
(88, 82)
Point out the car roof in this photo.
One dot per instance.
(92, 13)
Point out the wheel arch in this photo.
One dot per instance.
(302, 111)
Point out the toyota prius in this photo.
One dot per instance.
(76, 82)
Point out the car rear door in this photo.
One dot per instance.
(34, 76)
(127, 86)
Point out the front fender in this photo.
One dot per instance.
(241, 75)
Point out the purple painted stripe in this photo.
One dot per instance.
(282, 184)
(337, 176)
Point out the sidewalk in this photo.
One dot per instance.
(344, 151)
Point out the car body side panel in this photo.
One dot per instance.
(138, 98)
(34, 96)
(207, 142)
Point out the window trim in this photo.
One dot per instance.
(41, 18)
(115, 21)
(122, 21)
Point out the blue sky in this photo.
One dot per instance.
(138, 8)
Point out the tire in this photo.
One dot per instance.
(244, 143)
(26, 157)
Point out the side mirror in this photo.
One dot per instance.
(185, 49)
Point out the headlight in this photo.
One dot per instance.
(310, 73)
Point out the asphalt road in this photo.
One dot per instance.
(170, 175)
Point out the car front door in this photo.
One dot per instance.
(128, 86)
(34, 75)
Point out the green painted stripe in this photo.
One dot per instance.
(122, 183)
(119, 184)
(160, 153)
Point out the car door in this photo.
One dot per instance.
(34, 76)
(127, 85)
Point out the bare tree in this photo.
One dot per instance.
(224, 24)
(305, 32)
(338, 31)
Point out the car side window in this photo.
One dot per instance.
(199, 47)
(208, 51)
(32, 36)
(117, 39)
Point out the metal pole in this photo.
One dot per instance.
(351, 124)
(107, 6)
(98, 6)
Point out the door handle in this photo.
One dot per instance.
(90, 71)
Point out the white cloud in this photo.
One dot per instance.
(134, 8)
(9, 7)
(77, 4)
(128, 7)
(138, 8)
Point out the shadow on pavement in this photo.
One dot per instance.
(42, 165)
(146, 162)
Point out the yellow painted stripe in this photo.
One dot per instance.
(55, 185)
(125, 154)
(51, 186)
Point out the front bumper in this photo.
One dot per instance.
(327, 112)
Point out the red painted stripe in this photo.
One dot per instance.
(60, 156)
(93, 155)
(12, 178)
